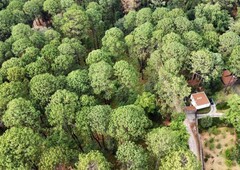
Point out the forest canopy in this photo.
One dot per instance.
(88, 84)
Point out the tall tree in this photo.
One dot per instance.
(234, 61)
(95, 14)
(54, 157)
(99, 121)
(100, 75)
(180, 160)
(233, 114)
(21, 112)
(139, 44)
(42, 86)
(75, 23)
(78, 81)
(132, 156)
(10, 91)
(128, 123)
(93, 160)
(228, 41)
(62, 109)
(19, 149)
(113, 42)
(126, 74)
(172, 88)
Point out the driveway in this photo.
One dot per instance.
(212, 113)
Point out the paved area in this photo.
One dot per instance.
(192, 138)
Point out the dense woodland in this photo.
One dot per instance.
(88, 84)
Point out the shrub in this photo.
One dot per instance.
(214, 130)
(206, 122)
(219, 146)
(211, 146)
(211, 140)
(230, 153)
(228, 163)
(222, 106)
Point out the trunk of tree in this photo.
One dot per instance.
(103, 142)
(78, 142)
(74, 136)
(96, 139)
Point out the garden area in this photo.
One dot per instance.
(219, 144)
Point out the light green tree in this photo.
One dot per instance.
(234, 61)
(21, 113)
(128, 123)
(232, 115)
(147, 101)
(78, 81)
(180, 160)
(113, 42)
(126, 74)
(19, 148)
(54, 157)
(100, 75)
(143, 15)
(42, 86)
(77, 27)
(228, 41)
(132, 156)
(93, 160)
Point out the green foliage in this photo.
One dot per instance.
(206, 122)
(20, 112)
(96, 56)
(126, 74)
(38, 67)
(180, 160)
(234, 60)
(147, 101)
(75, 23)
(214, 15)
(132, 156)
(42, 86)
(113, 42)
(143, 15)
(78, 81)
(162, 146)
(128, 123)
(232, 115)
(10, 91)
(62, 109)
(93, 159)
(99, 118)
(54, 157)
(102, 83)
(227, 42)
(19, 148)
(52, 6)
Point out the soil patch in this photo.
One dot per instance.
(214, 146)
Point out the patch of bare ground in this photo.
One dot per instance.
(214, 146)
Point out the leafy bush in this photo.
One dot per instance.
(228, 163)
(214, 130)
(206, 122)
(211, 146)
(219, 146)
(222, 106)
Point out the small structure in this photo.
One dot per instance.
(190, 109)
(200, 100)
(228, 78)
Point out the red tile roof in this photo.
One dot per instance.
(200, 98)
(228, 78)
